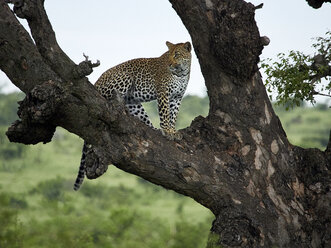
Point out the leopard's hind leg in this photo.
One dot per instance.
(137, 110)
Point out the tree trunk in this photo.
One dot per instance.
(263, 191)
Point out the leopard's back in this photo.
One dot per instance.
(134, 79)
(140, 80)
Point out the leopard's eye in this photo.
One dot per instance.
(176, 55)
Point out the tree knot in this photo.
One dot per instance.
(40, 105)
(84, 68)
(36, 111)
(236, 230)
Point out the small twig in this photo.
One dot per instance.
(90, 63)
(96, 64)
(86, 57)
(258, 6)
(321, 94)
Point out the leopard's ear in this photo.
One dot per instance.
(169, 44)
(188, 46)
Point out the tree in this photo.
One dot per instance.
(298, 77)
(237, 161)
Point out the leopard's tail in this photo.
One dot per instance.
(81, 171)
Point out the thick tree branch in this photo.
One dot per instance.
(25, 67)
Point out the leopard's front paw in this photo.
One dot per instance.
(177, 136)
(172, 135)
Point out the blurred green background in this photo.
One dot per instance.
(38, 207)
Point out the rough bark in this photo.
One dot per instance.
(237, 161)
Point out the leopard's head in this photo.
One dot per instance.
(179, 58)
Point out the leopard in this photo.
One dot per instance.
(140, 80)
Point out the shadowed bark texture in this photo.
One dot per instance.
(237, 161)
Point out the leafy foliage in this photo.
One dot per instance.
(51, 190)
(10, 233)
(298, 77)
